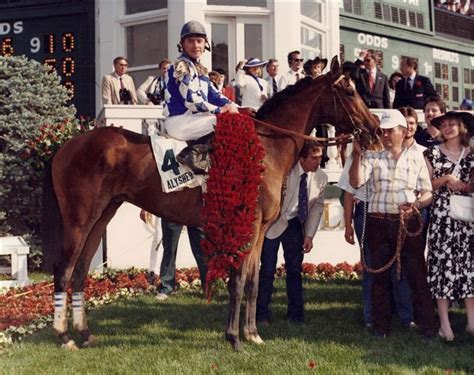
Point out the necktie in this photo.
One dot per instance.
(121, 83)
(275, 87)
(303, 198)
(297, 77)
(408, 84)
(371, 81)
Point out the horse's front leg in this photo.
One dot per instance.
(251, 292)
(236, 290)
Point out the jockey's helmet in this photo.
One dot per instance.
(193, 28)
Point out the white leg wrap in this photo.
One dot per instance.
(78, 311)
(60, 312)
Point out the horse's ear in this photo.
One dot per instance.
(335, 65)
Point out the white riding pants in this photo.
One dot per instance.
(190, 126)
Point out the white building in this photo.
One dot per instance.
(147, 31)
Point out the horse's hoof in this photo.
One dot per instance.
(91, 342)
(235, 342)
(70, 346)
(256, 339)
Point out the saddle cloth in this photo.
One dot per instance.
(174, 176)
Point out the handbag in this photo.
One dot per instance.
(461, 207)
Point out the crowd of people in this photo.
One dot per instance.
(464, 7)
(406, 184)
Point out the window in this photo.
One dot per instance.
(137, 6)
(220, 45)
(403, 17)
(420, 21)
(253, 41)
(454, 74)
(438, 87)
(444, 71)
(446, 92)
(353, 6)
(412, 19)
(247, 3)
(455, 94)
(386, 12)
(311, 41)
(147, 43)
(437, 70)
(395, 17)
(311, 9)
(378, 10)
(467, 76)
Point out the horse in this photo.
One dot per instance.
(92, 174)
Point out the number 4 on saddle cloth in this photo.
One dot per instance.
(174, 176)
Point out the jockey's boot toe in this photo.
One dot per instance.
(188, 157)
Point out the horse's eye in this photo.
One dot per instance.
(350, 93)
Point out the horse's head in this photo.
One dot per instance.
(341, 106)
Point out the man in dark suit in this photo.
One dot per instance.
(413, 89)
(372, 84)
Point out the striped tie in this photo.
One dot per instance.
(275, 87)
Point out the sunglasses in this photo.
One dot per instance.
(298, 60)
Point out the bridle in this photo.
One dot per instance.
(323, 141)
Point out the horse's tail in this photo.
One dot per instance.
(51, 223)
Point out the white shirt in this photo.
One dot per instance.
(292, 211)
(251, 93)
(289, 78)
(269, 80)
(344, 184)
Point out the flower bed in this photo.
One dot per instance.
(28, 309)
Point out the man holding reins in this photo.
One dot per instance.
(191, 100)
(399, 185)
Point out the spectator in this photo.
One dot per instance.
(295, 73)
(355, 201)
(215, 78)
(372, 84)
(414, 89)
(314, 68)
(300, 214)
(226, 89)
(451, 5)
(118, 87)
(273, 78)
(152, 91)
(412, 125)
(450, 256)
(433, 107)
(392, 82)
(253, 88)
(466, 105)
(390, 201)
(464, 7)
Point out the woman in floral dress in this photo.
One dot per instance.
(450, 255)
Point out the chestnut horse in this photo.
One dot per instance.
(94, 173)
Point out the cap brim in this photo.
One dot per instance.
(465, 117)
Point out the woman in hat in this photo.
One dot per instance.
(450, 259)
(253, 88)
(314, 68)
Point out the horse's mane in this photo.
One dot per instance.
(280, 97)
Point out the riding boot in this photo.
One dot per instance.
(196, 154)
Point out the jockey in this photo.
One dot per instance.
(192, 102)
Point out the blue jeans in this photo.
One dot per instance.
(171, 234)
(400, 289)
(292, 242)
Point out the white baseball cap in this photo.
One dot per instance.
(391, 118)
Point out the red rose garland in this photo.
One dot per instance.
(230, 201)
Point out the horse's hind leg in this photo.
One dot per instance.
(251, 292)
(80, 272)
(74, 239)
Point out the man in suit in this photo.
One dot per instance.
(152, 91)
(295, 229)
(413, 89)
(118, 87)
(273, 85)
(372, 84)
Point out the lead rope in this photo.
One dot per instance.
(401, 236)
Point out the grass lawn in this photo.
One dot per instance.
(184, 335)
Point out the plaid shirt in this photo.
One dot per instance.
(393, 182)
